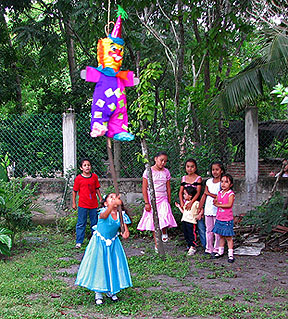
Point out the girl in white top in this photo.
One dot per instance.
(189, 218)
(211, 190)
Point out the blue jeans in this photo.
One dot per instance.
(202, 232)
(82, 222)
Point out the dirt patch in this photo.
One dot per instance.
(261, 279)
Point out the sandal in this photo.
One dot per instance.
(113, 297)
(231, 259)
(217, 255)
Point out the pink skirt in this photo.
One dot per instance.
(166, 218)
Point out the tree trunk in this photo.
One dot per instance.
(19, 102)
(151, 189)
(67, 32)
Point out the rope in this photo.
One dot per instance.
(106, 28)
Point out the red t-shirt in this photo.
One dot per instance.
(86, 188)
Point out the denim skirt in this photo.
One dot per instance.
(224, 228)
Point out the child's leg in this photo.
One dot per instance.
(202, 232)
(164, 235)
(93, 218)
(81, 224)
(190, 230)
(221, 245)
(185, 232)
(164, 230)
(217, 238)
(230, 248)
(98, 298)
(209, 222)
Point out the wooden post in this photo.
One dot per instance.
(113, 173)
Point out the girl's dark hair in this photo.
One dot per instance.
(122, 206)
(160, 153)
(229, 177)
(103, 200)
(221, 165)
(83, 160)
(192, 160)
(191, 191)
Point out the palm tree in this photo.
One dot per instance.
(241, 91)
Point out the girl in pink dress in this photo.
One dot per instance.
(161, 179)
(224, 217)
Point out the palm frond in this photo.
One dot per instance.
(247, 85)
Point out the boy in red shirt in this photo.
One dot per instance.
(87, 186)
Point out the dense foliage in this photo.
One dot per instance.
(16, 206)
(268, 215)
(192, 45)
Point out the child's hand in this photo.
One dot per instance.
(189, 205)
(125, 235)
(215, 202)
(199, 216)
(74, 206)
(147, 207)
(200, 210)
(177, 205)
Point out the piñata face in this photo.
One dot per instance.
(110, 54)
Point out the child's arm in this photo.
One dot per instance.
(168, 187)
(189, 205)
(98, 194)
(145, 194)
(126, 233)
(202, 202)
(116, 202)
(228, 205)
(74, 194)
(179, 206)
(210, 194)
(181, 190)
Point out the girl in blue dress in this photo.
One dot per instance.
(104, 267)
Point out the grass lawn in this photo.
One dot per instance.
(37, 281)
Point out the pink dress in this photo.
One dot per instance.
(166, 218)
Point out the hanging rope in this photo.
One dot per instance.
(107, 26)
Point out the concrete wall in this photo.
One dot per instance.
(51, 192)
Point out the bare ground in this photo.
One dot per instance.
(249, 278)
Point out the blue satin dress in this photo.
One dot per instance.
(104, 267)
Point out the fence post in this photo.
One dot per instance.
(69, 142)
(251, 155)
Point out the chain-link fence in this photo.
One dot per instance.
(34, 144)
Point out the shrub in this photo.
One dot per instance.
(268, 215)
(16, 205)
(5, 241)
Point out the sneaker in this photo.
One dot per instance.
(164, 238)
(78, 245)
(191, 251)
(98, 298)
(216, 256)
